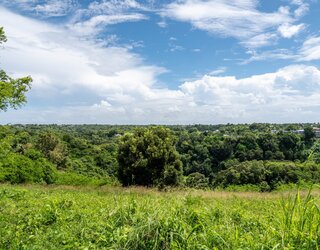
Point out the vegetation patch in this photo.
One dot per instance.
(33, 217)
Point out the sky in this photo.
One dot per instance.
(164, 62)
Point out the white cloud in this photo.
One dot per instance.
(287, 30)
(87, 20)
(260, 40)
(103, 104)
(277, 54)
(239, 19)
(297, 2)
(310, 49)
(162, 24)
(96, 23)
(91, 20)
(22, 4)
(175, 47)
(112, 6)
(64, 66)
(302, 9)
(48, 8)
(268, 97)
(217, 71)
(55, 7)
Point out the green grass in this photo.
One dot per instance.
(75, 179)
(61, 217)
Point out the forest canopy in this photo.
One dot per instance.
(203, 156)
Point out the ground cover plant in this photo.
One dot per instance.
(55, 217)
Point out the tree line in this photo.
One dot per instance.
(161, 155)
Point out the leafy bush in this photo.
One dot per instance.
(268, 175)
(70, 178)
(197, 180)
(17, 168)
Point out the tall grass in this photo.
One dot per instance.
(300, 222)
(33, 217)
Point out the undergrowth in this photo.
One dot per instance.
(32, 217)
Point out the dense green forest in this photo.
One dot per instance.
(201, 156)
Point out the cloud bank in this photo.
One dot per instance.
(85, 81)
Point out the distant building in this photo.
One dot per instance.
(299, 132)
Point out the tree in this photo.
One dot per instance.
(248, 148)
(148, 157)
(53, 149)
(221, 149)
(309, 135)
(3, 37)
(269, 144)
(12, 91)
(291, 146)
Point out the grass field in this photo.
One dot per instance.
(58, 217)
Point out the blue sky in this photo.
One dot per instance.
(164, 62)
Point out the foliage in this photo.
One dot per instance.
(309, 135)
(148, 157)
(3, 37)
(268, 175)
(212, 151)
(71, 178)
(12, 91)
(53, 149)
(17, 168)
(197, 180)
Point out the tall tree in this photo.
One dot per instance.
(148, 157)
(12, 91)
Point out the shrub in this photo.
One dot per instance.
(17, 168)
(268, 175)
(197, 180)
(70, 178)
